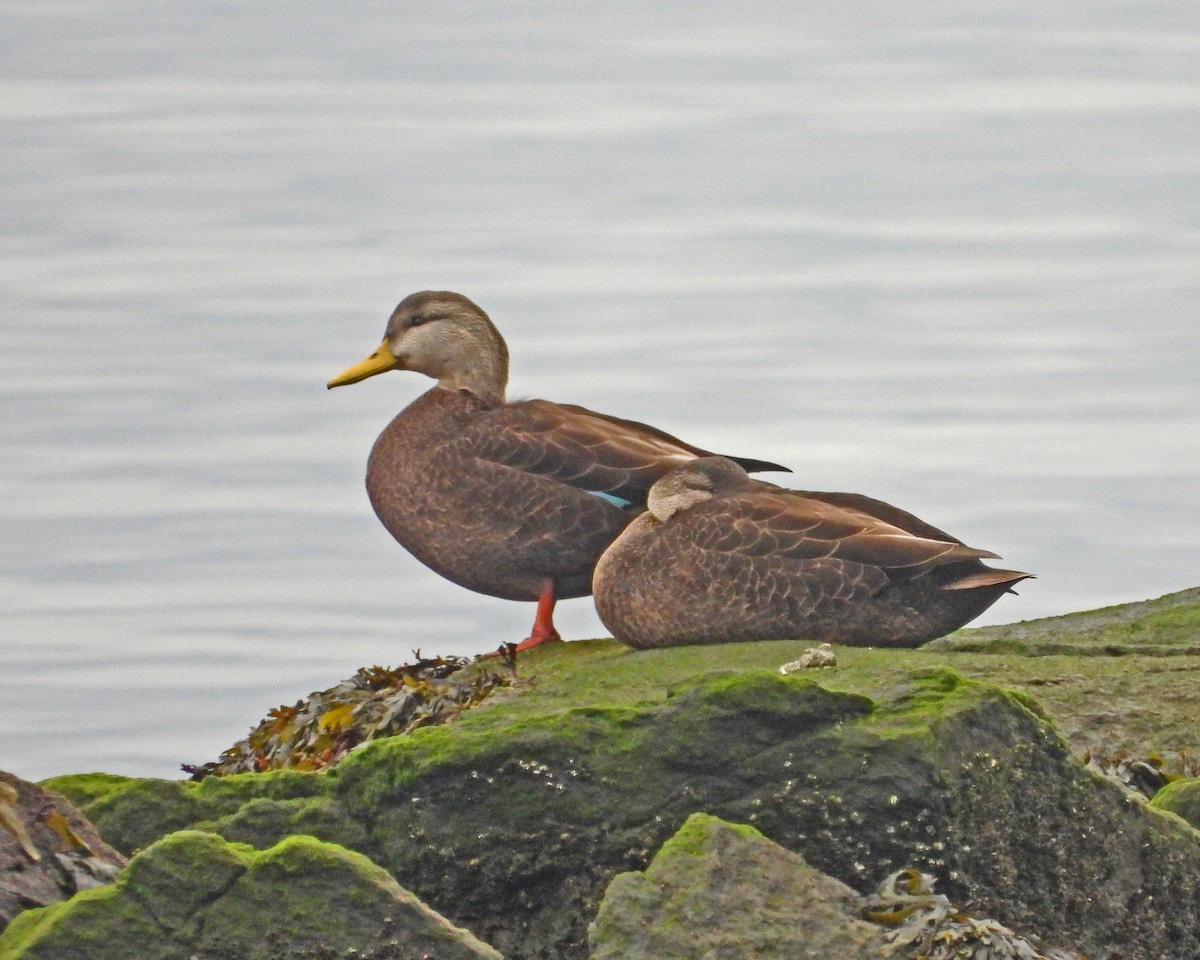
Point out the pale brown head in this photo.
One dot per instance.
(442, 335)
(694, 482)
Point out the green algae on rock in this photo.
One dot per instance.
(513, 820)
(86, 788)
(719, 889)
(132, 813)
(195, 896)
(1121, 683)
(1181, 798)
(1166, 626)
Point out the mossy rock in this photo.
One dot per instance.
(515, 830)
(1165, 626)
(195, 895)
(716, 889)
(513, 820)
(132, 813)
(86, 788)
(1181, 798)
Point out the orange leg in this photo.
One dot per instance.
(543, 622)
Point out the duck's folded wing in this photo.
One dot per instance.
(882, 511)
(588, 450)
(794, 527)
(581, 417)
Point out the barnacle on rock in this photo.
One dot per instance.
(377, 701)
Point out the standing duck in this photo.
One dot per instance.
(721, 557)
(515, 500)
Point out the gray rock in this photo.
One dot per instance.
(48, 850)
(195, 896)
(720, 890)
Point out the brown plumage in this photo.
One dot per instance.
(501, 497)
(721, 557)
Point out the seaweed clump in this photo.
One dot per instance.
(317, 732)
(1145, 775)
(928, 926)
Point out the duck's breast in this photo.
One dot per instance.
(493, 527)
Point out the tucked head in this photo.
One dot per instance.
(442, 335)
(692, 483)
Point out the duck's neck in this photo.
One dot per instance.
(478, 365)
(488, 389)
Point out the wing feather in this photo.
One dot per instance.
(579, 447)
(792, 527)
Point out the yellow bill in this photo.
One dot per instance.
(378, 362)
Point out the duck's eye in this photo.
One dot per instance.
(417, 320)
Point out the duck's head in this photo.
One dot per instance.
(694, 482)
(442, 335)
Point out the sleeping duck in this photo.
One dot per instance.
(721, 557)
(515, 500)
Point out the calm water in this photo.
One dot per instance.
(945, 258)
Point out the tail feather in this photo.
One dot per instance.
(751, 465)
(987, 577)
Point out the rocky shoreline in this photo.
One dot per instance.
(612, 791)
